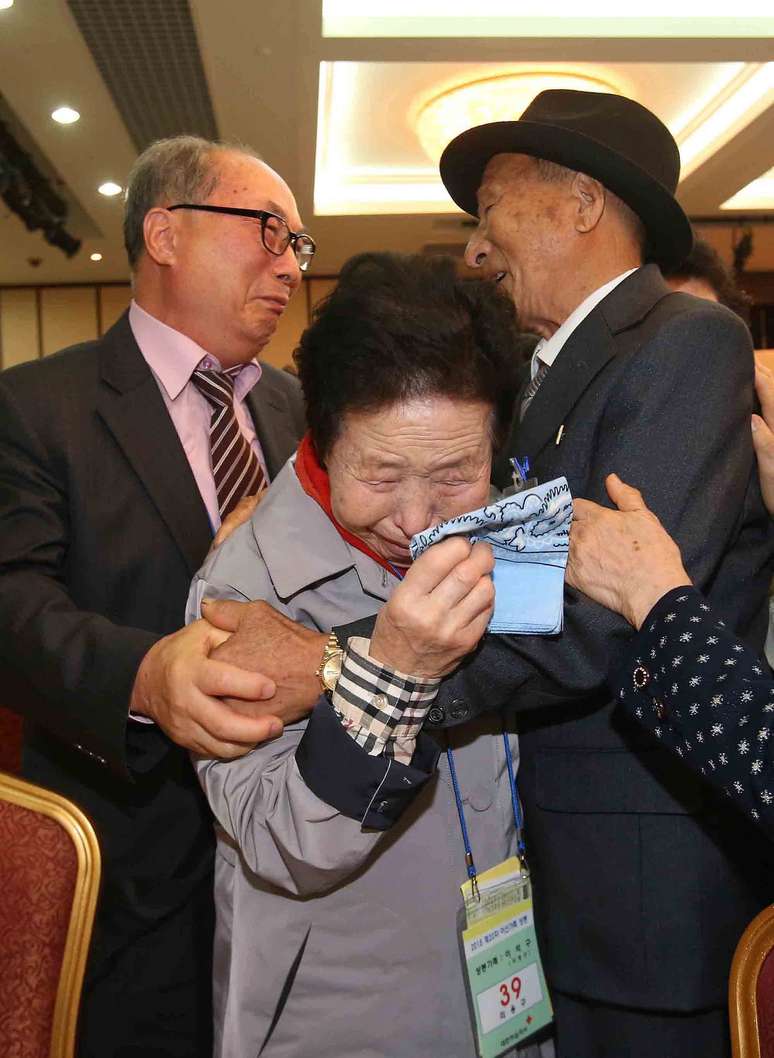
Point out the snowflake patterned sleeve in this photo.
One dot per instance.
(707, 697)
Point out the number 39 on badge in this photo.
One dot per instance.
(510, 993)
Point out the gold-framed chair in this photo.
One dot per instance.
(751, 990)
(49, 880)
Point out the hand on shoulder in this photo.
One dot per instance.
(625, 559)
(180, 686)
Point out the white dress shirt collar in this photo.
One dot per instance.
(547, 350)
(173, 357)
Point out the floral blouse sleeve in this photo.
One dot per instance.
(705, 695)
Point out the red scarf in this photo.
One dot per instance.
(315, 483)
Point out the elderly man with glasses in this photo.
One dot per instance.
(118, 460)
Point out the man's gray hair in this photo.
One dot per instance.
(554, 173)
(177, 169)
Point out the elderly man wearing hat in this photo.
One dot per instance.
(644, 879)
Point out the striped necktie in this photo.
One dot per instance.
(532, 387)
(235, 466)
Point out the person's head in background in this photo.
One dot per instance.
(221, 278)
(704, 275)
(410, 381)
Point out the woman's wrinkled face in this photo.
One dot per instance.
(404, 468)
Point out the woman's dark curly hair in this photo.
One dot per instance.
(400, 327)
(705, 263)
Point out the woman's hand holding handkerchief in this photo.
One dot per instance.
(529, 533)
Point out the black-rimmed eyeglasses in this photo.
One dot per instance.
(276, 236)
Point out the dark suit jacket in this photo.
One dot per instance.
(103, 527)
(643, 879)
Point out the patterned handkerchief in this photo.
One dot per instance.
(530, 535)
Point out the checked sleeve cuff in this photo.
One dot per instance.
(380, 708)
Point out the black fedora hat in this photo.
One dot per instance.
(609, 137)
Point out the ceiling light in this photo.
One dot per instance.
(501, 98)
(109, 189)
(359, 172)
(757, 195)
(64, 115)
(350, 182)
(95, 256)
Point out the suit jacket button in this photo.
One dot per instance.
(459, 710)
(436, 715)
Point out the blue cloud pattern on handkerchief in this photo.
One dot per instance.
(530, 534)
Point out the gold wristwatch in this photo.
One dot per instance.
(330, 663)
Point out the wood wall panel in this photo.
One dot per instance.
(19, 338)
(113, 301)
(67, 315)
(319, 289)
(37, 321)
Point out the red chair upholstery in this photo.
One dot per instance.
(49, 877)
(10, 741)
(751, 990)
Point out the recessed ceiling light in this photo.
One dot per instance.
(64, 115)
(95, 257)
(109, 189)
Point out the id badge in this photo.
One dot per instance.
(507, 987)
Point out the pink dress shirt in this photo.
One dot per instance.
(173, 358)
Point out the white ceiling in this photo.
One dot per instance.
(262, 65)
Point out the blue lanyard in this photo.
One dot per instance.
(469, 863)
(518, 817)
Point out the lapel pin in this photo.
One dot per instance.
(559, 435)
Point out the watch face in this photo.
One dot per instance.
(331, 671)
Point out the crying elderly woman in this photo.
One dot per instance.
(334, 940)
